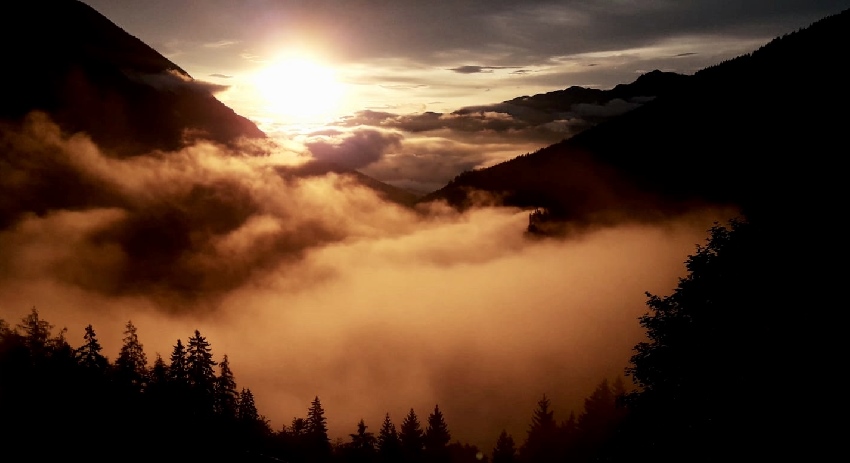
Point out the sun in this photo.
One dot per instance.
(297, 87)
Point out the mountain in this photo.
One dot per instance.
(317, 168)
(648, 85)
(66, 59)
(761, 132)
(588, 105)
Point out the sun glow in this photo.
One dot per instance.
(299, 88)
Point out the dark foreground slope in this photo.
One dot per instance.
(762, 131)
(64, 58)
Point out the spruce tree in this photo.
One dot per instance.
(542, 441)
(199, 362)
(389, 445)
(363, 444)
(600, 419)
(178, 370)
(247, 410)
(89, 356)
(132, 363)
(436, 437)
(317, 430)
(226, 397)
(35, 333)
(159, 372)
(411, 437)
(505, 450)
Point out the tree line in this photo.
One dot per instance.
(699, 377)
(48, 387)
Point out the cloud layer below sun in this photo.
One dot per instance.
(315, 286)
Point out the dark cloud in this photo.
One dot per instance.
(356, 149)
(501, 33)
(477, 69)
(175, 79)
(679, 55)
(221, 76)
(181, 226)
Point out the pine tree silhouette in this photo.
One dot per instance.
(389, 445)
(436, 437)
(317, 430)
(411, 437)
(131, 367)
(89, 354)
(505, 450)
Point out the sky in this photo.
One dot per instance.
(316, 286)
(302, 68)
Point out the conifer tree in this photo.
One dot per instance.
(317, 430)
(159, 372)
(35, 333)
(437, 436)
(202, 380)
(226, 397)
(569, 436)
(178, 370)
(363, 444)
(199, 363)
(411, 436)
(89, 356)
(389, 445)
(247, 410)
(505, 450)
(132, 363)
(542, 441)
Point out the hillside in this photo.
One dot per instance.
(68, 60)
(758, 132)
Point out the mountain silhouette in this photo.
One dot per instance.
(649, 85)
(584, 107)
(316, 168)
(64, 58)
(759, 132)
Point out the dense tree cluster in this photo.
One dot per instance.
(60, 400)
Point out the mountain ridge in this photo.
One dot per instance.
(89, 75)
(664, 156)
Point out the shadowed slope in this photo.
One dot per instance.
(757, 132)
(66, 59)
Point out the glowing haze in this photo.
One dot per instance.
(318, 287)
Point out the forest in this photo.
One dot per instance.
(706, 353)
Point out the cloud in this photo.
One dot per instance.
(182, 226)
(477, 69)
(315, 286)
(220, 44)
(221, 76)
(175, 79)
(356, 149)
